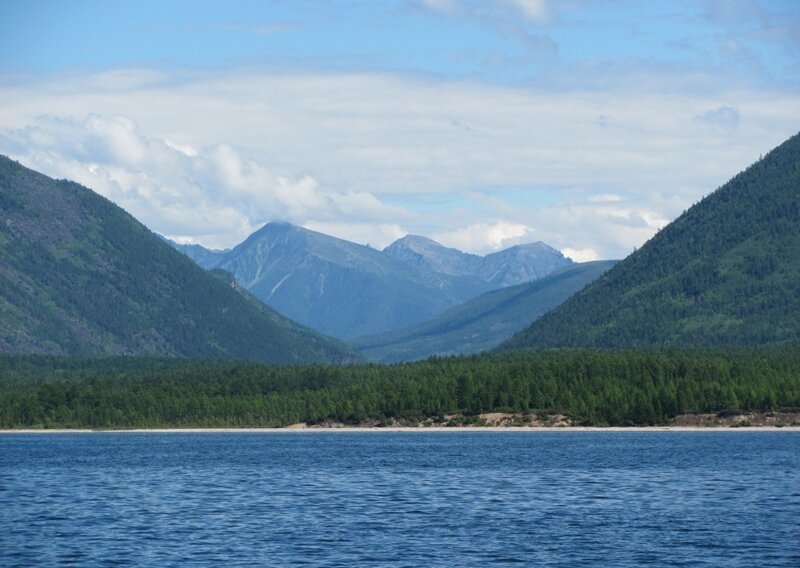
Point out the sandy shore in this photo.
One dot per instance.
(419, 429)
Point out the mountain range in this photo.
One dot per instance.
(724, 273)
(80, 276)
(348, 290)
(514, 265)
(483, 322)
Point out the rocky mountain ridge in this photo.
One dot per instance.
(349, 290)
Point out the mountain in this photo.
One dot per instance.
(515, 265)
(338, 287)
(426, 253)
(207, 258)
(80, 276)
(482, 323)
(726, 272)
(348, 290)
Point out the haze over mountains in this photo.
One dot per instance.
(726, 272)
(348, 290)
(80, 276)
(483, 322)
(514, 265)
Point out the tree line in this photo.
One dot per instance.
(600, 387)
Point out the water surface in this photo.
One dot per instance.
(401, 499)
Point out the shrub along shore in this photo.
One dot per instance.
(582, 387)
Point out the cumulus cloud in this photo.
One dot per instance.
(581, 255)
(210, 194)
(376, 235)
(484, 237)
(590, 227)
(211, 156)
(590, 230)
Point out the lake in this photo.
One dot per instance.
(401, 499)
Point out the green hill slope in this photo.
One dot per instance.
(726, 272)
(78, 275)
(482, 323)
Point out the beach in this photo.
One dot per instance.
(420, 429)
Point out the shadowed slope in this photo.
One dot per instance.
(485, 321)
(78, 275)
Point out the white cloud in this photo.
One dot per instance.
(377, 236)
(588, 230)
(655, 221)
(581, 255)
(484, 237)
(213, 155)
(209, 194)
(605, 198)
(585, 228)
(185, 149)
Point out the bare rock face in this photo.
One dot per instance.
(424, 252)
(521, 263)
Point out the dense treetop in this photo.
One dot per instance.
(593, 386)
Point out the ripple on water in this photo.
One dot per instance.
(401, 499)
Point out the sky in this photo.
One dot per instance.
(588, 125)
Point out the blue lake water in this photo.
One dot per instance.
(401, 499)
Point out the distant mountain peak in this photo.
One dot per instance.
(347, 289)
(337, 286)
(275, 227)
(411, 238)
(514, 265)
(533, 245)
(415, 241)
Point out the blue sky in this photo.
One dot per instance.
(494, 41)
(586, 124)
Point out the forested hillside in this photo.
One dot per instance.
(482, 323)
(726, 272)
(605, 387)
(78, 275)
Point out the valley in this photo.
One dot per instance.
(700, 321)
(348, 290)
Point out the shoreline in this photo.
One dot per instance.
(395, 429)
